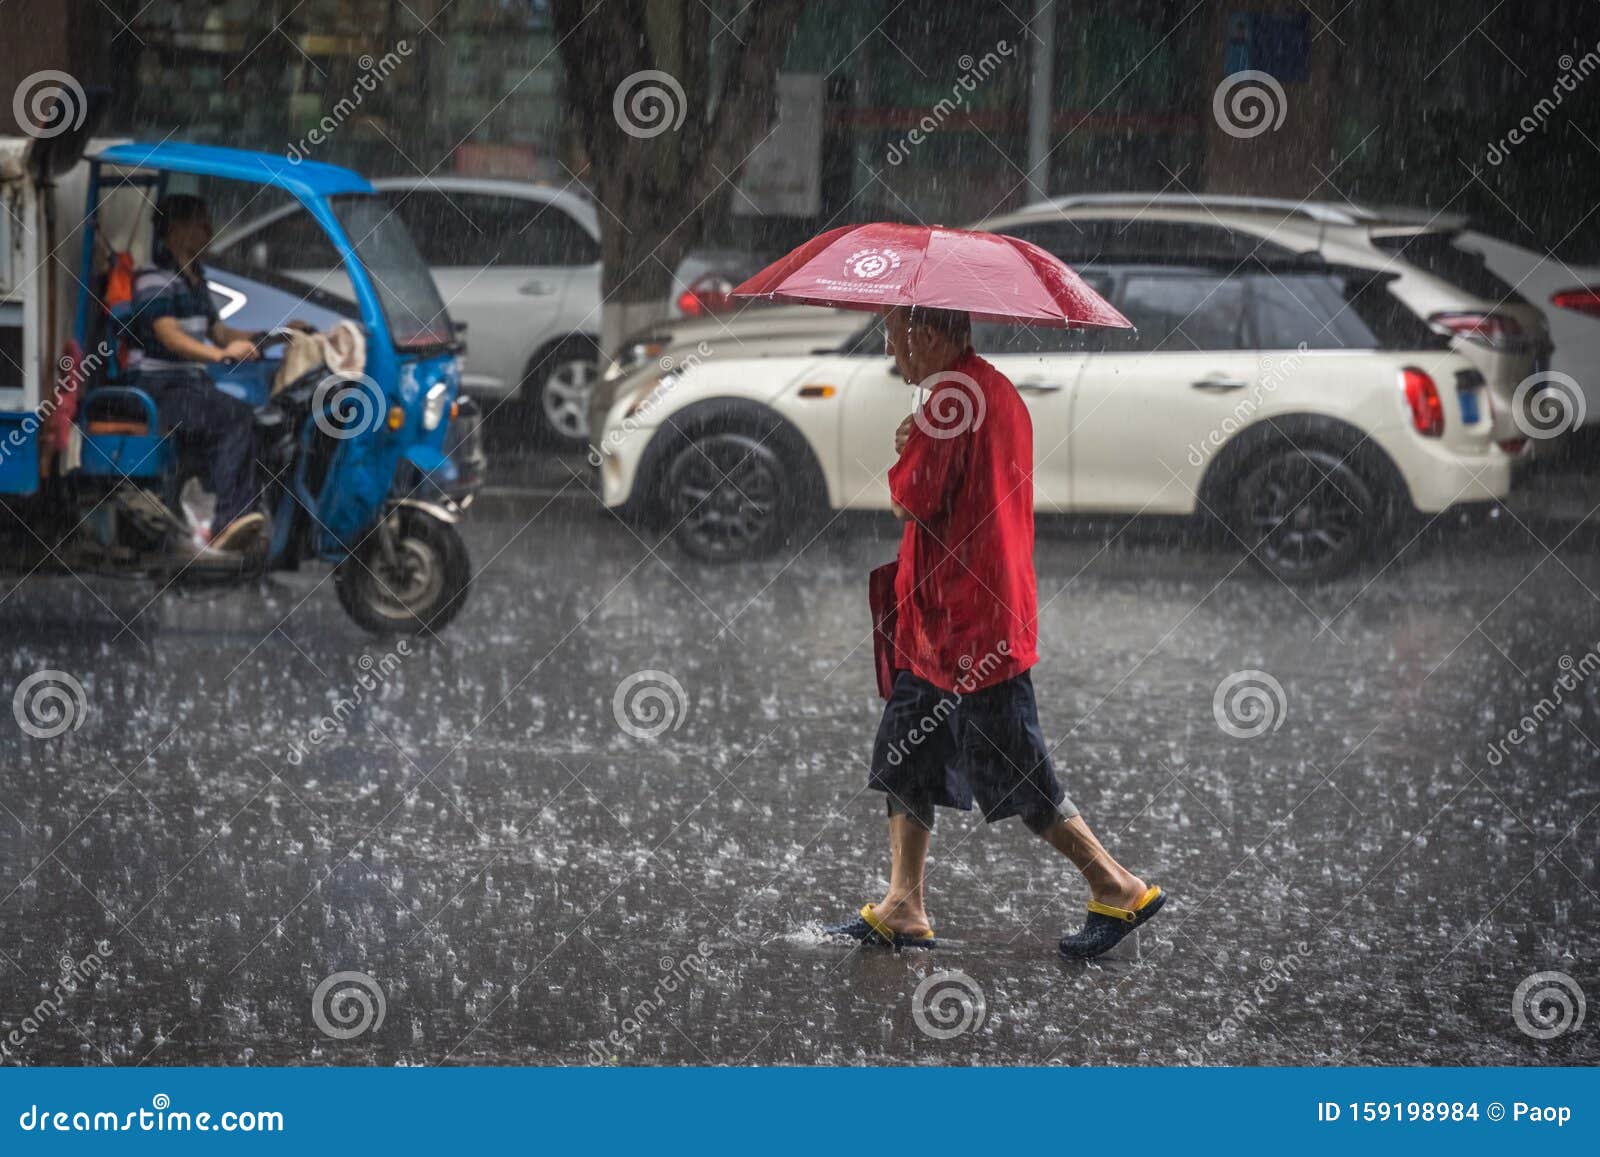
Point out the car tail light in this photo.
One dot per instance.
(1497, 331)
(1513, 446)
(1427, 408)
(711, 293)
(1580, 300)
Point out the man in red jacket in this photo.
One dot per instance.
(961, 722)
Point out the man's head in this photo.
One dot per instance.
(925, 341)
(184, 225)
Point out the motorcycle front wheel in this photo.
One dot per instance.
(417, 581)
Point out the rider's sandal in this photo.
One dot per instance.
(869, 928)
(1107, 925)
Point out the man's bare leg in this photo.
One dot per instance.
(1109, 882)
(902, 908)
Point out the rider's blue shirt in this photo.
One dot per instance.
(163, 291)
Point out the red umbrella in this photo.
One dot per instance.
(886, 264)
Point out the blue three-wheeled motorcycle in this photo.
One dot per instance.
(367, 470)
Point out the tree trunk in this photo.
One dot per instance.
(661, 136)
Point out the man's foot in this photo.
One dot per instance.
(870, 928)
(1125, 894)
(1109, 923)
(240, 535)
(902, 918)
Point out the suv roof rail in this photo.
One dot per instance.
(1323, 211)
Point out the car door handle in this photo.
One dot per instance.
(536, 289)
(1217, 384)
(1038, 387)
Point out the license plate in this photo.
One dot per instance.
(1469, 407)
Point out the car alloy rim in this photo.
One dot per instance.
(1303, 516)
(565, 397)
(727, 491)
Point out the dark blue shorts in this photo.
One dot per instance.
(943, 749)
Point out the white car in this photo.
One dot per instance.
(518, 263)
(1301, 405)
(1439, 271)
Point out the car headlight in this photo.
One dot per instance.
(634, 354)
(646, 395)
(433, 405)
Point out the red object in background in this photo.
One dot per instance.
(1585, 300)
(710, 293)
(883, 265)
(1427, 408)
(119, 281)
(63, 406)
(119, 291)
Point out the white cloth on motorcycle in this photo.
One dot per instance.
(342, 350)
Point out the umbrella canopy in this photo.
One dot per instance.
(886, 264)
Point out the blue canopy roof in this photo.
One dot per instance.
(303, 178)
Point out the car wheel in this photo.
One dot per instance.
(726, 495)
(1308, 515)
(556, 392)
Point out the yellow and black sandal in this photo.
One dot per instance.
(1107, 925)
(869, 928)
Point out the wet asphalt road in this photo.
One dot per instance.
(524, 881)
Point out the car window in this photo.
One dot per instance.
(1181, 312)
(1099, 241)
(1311, 310)
(445, 234)
(994, 340)
(473, 229)
(1337, 310)
(293, 241)
(550, 236)
(1442, 254)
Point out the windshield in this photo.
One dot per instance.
(411, 303)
